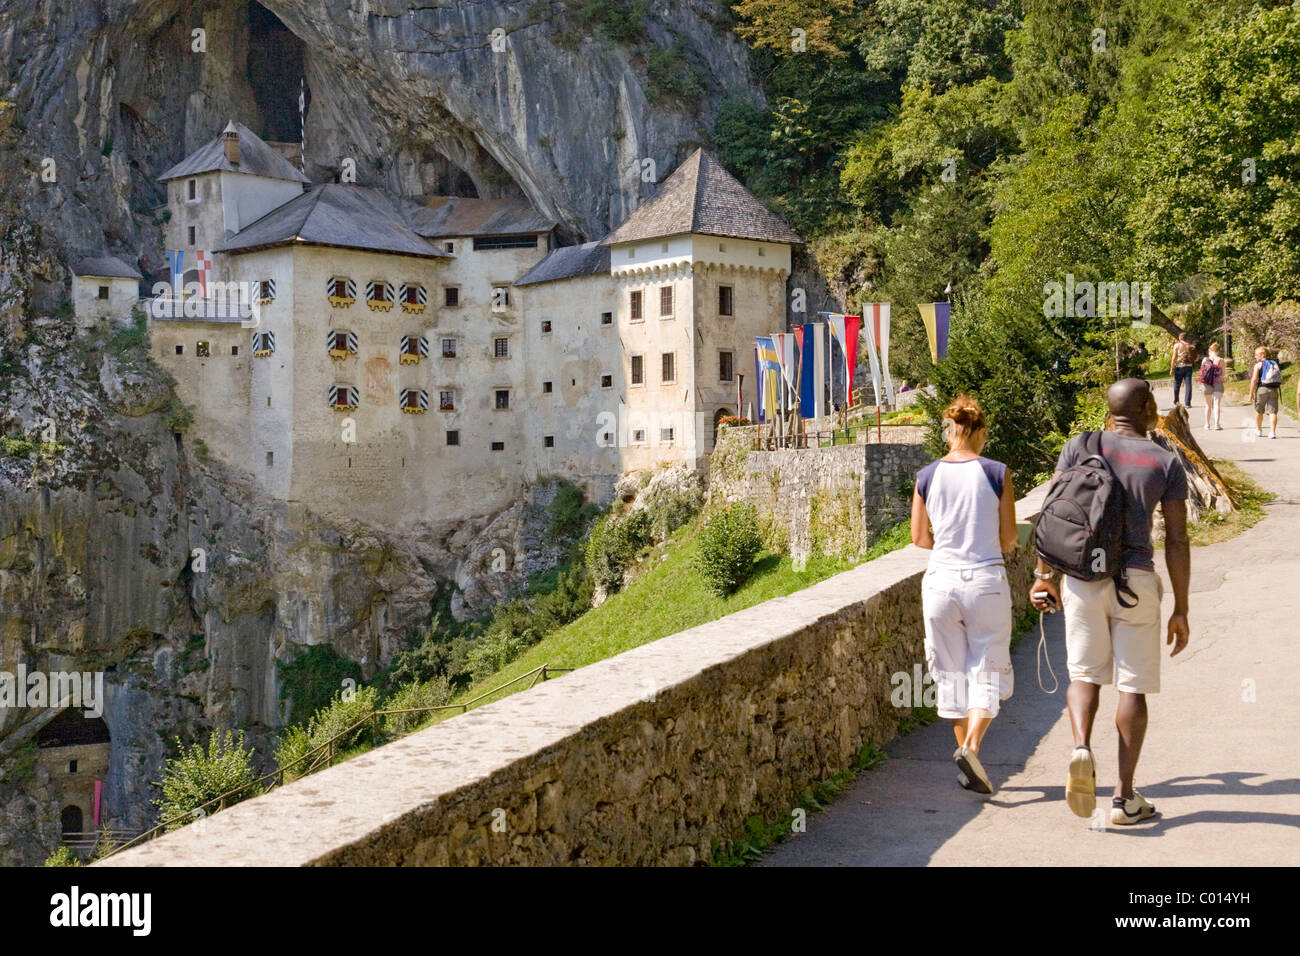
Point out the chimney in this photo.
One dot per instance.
(230, 143)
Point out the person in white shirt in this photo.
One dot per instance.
(964, 512)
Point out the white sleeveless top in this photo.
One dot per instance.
(962, 499)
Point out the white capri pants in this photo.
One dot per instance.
(968, 637)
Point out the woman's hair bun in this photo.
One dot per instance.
(966, 416)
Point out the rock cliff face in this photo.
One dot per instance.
(99, 523)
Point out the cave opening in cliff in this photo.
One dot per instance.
(276, 70)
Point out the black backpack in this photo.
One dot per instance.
(1080, 531)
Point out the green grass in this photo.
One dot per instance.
(1213, 527)
(668, 598)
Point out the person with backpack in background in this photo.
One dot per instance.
(1211, 378)
(1265, 387)
(1095, 527)
(1180, 367)
(964, 512)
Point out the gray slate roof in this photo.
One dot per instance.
(354, 217)
(567, 262)
(448, 216)
(702, 197)
(255, 158)
(105, 267)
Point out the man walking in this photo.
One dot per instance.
(1265, 386)
(1180, 367)
(1110, 637)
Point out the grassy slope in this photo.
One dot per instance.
(668, 598)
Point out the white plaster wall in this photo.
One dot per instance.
(246, 199)
(89, 308)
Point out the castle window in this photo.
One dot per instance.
(634, 305)
(722, 247)
(668, 367)
(180, 350)
(414, 348)
(665, 436)
(190, 234)
(607, 381)
(606, 439)
(548, 441)
(72, 766)
(265, 291)
(498, 446)
(453, 437)
(501, 347)
(414, 401)
(414, 298)
(201, 349)
(379, 295)
(505, 242)
(762, 251)
(500, 298)
(725, 300)
(191, 190)
(270, 459)
(341, 291)
(546, 326)
(547, 388)
(449, 247)
(340, 344)
(665, 301)
(344, 398)
(103, 292)
(638, 370)
(446, 401)
(503, 398)
(448, 348)
(607, 318)
(263, 344)
(451, 296)
(726, 366)
(664, 247)
(234, 350)
(638, 436)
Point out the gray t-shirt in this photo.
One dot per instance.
(1149, 476)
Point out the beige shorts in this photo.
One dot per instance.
(1105, 641)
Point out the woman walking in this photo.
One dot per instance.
(1211, 376)
(964, 511)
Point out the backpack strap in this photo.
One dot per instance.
(1092, 446)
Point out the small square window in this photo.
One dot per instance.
(449, 247)
(668, 367)
(634, 305)
(638, 370)
(547, 388)
(638, 436)
(448, 348)
(607, 318)
(726, 367)
(498, 446)
(500, 298)
(72, 766)
(607, 439)
(201, 349)
(722, 247)
(453, 437)
(270, 459)
(665, 301)
(180, 350)
(607, 381)
(725, 300)
(762, 251)
(665, 435)
(192, 189)
(503, 398)
(446, 401)
(501, 347)
(234, 350)
(191, 235)
(103, 292)
(548, 441)
(451, 296)
(546, 326)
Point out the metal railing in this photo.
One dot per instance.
(320, 757)
(767, 438)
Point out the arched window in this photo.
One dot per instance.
(718, 416)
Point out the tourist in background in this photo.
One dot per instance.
(964, 512)
(1211, 377)
(1265, 387)
(1180, 367)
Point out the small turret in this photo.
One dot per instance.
(230, 143)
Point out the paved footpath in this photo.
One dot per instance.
(1222, 752)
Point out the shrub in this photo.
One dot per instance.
(672, 79)
(344, 718)
(63, 856)
(614, 544)
(670, 510)
(728, 545)
(198, 776)
(569, 513)
(312, 679)
(494, 651)
(431, 693)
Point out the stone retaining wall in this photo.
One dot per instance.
(655, 756)
(819, 500)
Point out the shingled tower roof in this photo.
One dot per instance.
(702, 197)
(256, 158)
